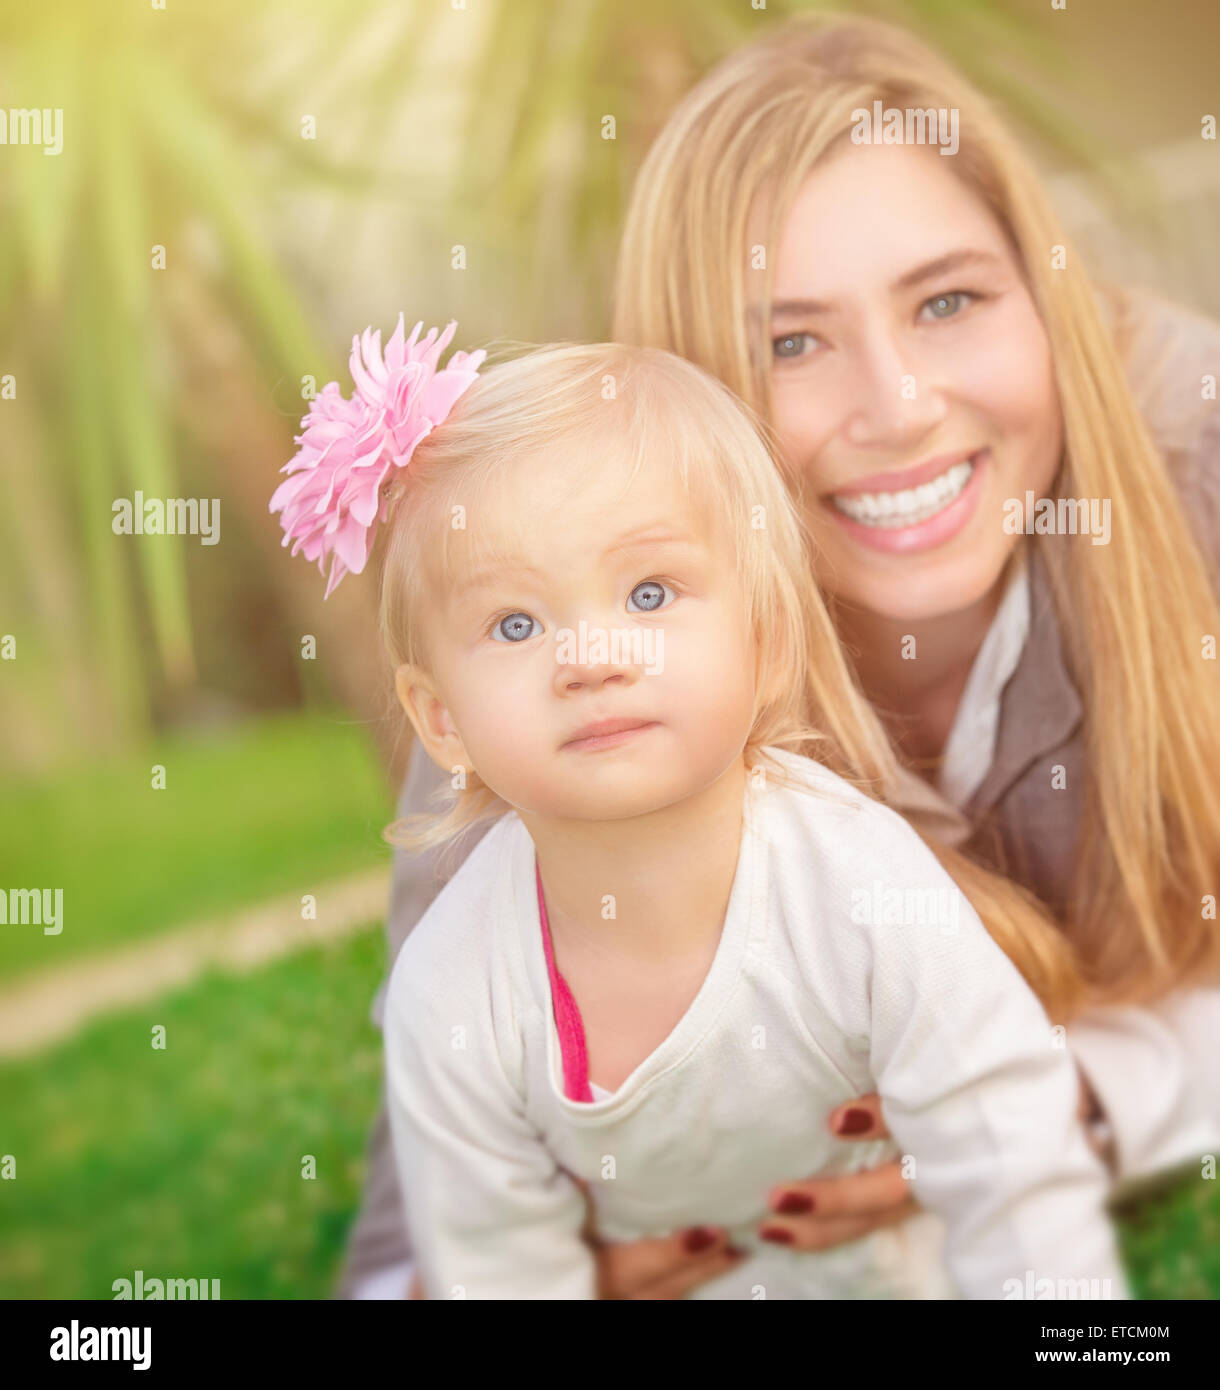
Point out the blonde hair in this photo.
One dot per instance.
(661, 407)
(1135, 612)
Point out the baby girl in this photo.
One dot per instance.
(695, 927)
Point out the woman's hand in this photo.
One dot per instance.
(664, 1268)
(660, 1267)
(812, 1214)
(817, 1213)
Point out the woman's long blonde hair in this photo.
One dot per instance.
(1135, 613)
(630, 405)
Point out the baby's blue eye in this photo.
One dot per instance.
(520, 627)
(513, 628)
(651, 595)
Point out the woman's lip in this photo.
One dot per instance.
(903, 479)
(905, 540)
(608, 740)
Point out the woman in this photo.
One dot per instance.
(911, 322)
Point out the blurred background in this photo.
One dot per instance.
(198, 751)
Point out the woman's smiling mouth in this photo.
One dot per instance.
(922, 507)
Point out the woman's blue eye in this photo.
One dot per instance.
(945, 306)
(651, 595)
(515, 627)
(790, 345)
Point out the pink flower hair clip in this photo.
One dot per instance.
(332, 502)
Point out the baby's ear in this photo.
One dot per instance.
(429, 717)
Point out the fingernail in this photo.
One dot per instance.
(775, 1233)
(854, 1122)
(793, 1202)
(698, 1238)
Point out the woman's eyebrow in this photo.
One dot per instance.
(942, 265)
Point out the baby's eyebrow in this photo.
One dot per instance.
(652, 539)
(485, 578)
(642, 538)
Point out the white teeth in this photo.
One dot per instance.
(909, 507)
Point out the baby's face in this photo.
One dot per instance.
(619, 606)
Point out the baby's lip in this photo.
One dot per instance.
(606, 726)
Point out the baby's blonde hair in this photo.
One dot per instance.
(633, 404)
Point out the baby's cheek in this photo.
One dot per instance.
(710, 679)
(495, 721)
(511, 726)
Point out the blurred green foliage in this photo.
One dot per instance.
(184, 130)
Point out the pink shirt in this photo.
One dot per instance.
(567, 1016)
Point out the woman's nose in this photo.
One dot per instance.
(893, 403)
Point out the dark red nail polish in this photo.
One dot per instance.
(781, 1237)
(698, 1238)
(855, 1122)
(792, 1203)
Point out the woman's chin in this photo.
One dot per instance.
(926, 587)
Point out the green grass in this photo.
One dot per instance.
(279, 805)
(1171, 1242)
(187, 1162)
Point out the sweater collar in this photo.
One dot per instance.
(1040, 707)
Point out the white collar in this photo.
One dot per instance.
(970, 747)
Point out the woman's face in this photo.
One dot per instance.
(912, 380)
